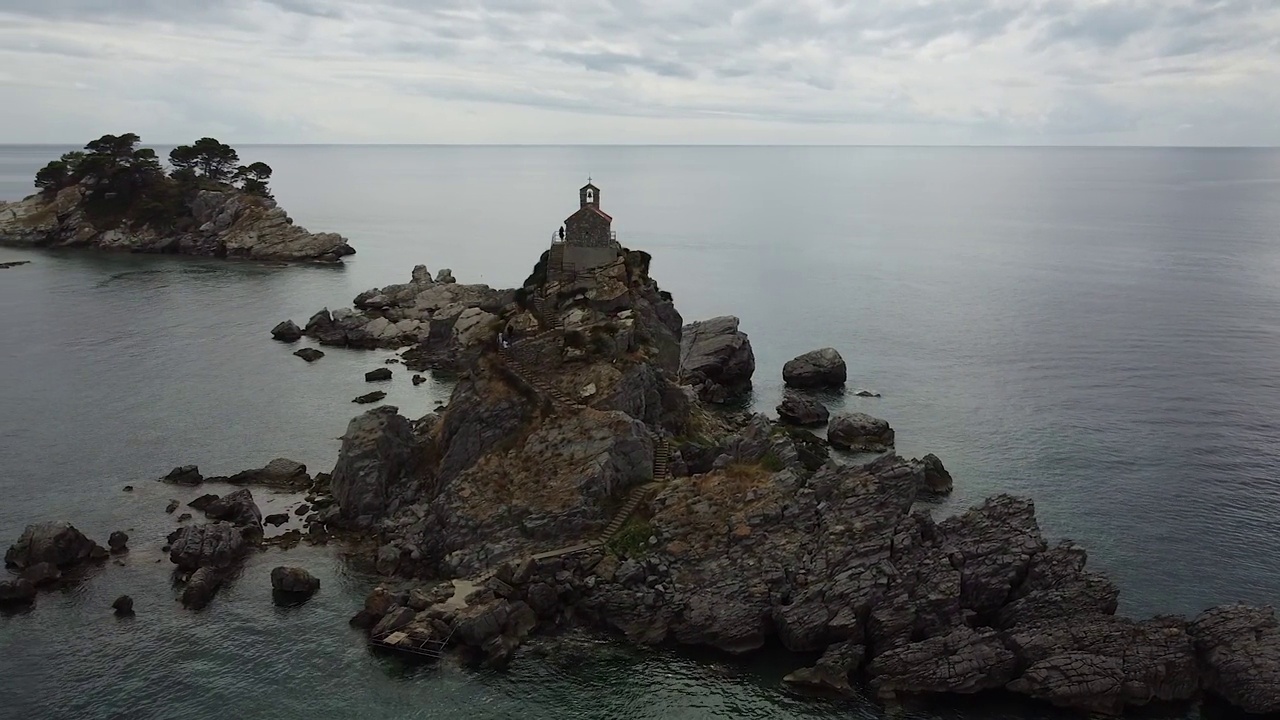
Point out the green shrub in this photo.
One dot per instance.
(772, 462)
(632, 540)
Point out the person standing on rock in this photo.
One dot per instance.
(562, 232)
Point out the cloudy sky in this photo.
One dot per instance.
(1181, 72)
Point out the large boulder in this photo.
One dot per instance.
(237, 508)
(218, 545)
(322, 327)
(188, 475)
(287, 331)
(936, 477)
(802, 410)
(378, 453)
(716, 358)
(817, 369)
(859, 432)
(294, 581)
(1239, 651)
(201, 587)
(57, 543)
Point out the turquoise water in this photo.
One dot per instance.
(1093, 328)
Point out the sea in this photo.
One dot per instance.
(1097, 329)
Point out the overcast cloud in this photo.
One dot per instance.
(1186, 72)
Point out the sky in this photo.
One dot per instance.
(914, 72)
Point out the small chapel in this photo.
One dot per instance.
(586, 240)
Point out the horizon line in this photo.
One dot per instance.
(698, 145)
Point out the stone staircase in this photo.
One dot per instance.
(637, 496)
(510, 356)
(555, 260)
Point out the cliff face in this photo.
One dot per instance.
(229, 223)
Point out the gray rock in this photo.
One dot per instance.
(118, 542)
(201, 587)
(184, 517)
(388, 559)
(377, 375)
(59, 544)
(859, 432)
(716, 358)
(377, 456)
(396, 618)
(368, 398)
(276, 520)
(237, 508)
(819, 368)
(964, 661)
(41, 574)
(832, 671)
(936, 477)
(421, 275)
(17, 592)
(294, 580)
(286, 332)
(309, 354)
(445, 276)
(1101, 663)
(1239, 651)
(203, 502)
(418, 380)
(325, 330)
(123, 606)
(218, 545)
(798, 409)
(188, 475)
(171, 507)
(280, 473)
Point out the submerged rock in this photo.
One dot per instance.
(118, 541)
(377, 375)
(309, 354)
(280, 473)
(368, 398)
(171, 507)
(276, 520)
(817, 369)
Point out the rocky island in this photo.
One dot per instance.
(115, 195)
(582, 476)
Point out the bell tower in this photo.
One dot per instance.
(589, 195)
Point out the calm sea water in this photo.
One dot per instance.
(1094, 328)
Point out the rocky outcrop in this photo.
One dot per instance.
(832, 671)
(188, 475)
(279, 474)
(859, 432)
(58, 543)
(291, 584)
(203, 584)
(1239, 649)
(123, 606)
(936, 477)
(287, 332)
(237, 508)
(716, 359)
(802, 410)
(42, 574)
(379, 453)
(17, 592)
(229, 224)
(214, 545)
(817, 369)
